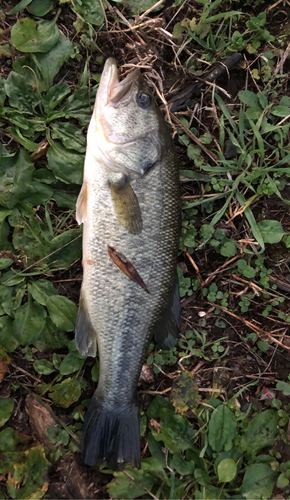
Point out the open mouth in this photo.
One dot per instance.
(111, 90)
(121, 91)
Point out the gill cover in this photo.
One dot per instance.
(123, 131)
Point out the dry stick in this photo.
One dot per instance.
(275, 320)
(242, 208)
(40, 260)
(257, 329)
(151, 8)
(283, 120)
(195, 267)
(166, 374)
(114, 9)
(274, 5)
(105, 17)
(26, 373)
(154, 393)
(132, 28)
(249, 283)
(196, 368)
(176, 13)
(194, 138)
(140, 484)
(274, 352)
(256, 287)
(211, 276)
(214, 85)
(161, 96)
(195, 196)
(281, 63)
(71, 279)
(211, 389)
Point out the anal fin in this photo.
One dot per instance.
(166, 331)
(126, 204)
(85, 334)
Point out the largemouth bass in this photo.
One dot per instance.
(129, 206)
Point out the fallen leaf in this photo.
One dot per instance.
(40, 419)
(41, 151)
(155, 425)
(288, 430)
(126, 267)
(267, 394)
(73, 480)
(4, 362)
(184, 395)
(147, 374)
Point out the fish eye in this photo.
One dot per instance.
(143, 100)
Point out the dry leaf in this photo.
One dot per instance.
(155, 425)
(42, 149)
(288, 430)
(40, 419)
(4, 362)
(147, 374)
(126, 267)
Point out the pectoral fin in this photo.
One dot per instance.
(85, 335)
(126, 205)
(81, 208)
(166, 331)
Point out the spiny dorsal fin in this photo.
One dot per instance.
(126, 205)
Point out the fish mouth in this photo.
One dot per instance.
(111, 90)
(111, 94)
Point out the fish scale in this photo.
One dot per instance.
(125, 331)
(114, 310)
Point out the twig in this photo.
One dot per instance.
(166, 374)
(140, 484)
(114, 9)
(155, 393)
(252, 376)
(40, 260)
(211, 276)
(105, 17)
(151, 8)
(257, 329)
(26, 373)
(211, 389)
(194, 138)
(249, 283)
(195, 267)
(274, 5)
(132, 28)
(195, 196)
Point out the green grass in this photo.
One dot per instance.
(205, 437)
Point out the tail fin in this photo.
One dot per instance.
(111, 435)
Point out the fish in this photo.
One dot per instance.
(129, 205)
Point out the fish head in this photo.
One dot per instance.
(127, 129)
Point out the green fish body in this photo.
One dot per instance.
(129, 202)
